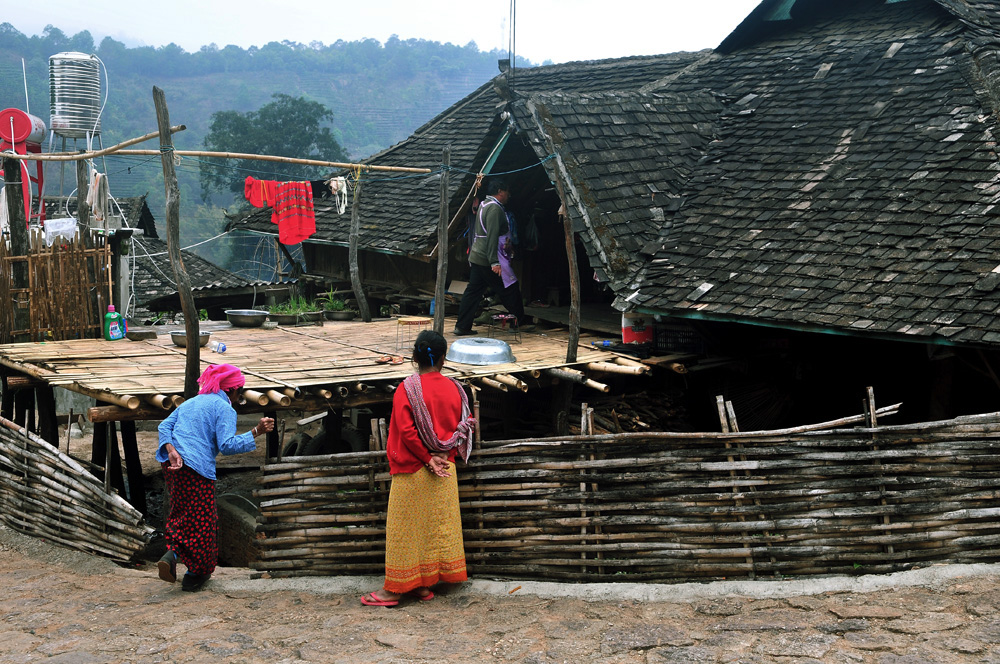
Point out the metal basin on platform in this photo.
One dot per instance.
(246, 317)
(480, 351)
(180, 338)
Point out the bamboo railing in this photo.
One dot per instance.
(46, 493)
(662, 507)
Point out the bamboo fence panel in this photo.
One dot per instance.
(45, 493)
(662, 507)
(68, 289)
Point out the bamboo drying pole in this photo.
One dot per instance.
(284, 160)
(85, 156)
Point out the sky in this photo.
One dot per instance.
(544, 30)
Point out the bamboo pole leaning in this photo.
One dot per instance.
(46, 493)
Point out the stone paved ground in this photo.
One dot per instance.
(61, 606)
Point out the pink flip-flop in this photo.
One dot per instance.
(423, 598)
(370, 599)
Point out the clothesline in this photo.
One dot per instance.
(117, 149)
(283, 160)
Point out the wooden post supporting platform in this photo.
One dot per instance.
(48, 428)
(574, 277)
(133, 467)
(193, 351)
(442, 266)
(273, 444)
(113, 469)
(352, 256)
(333, 423)
(24, 409)
(19, 245)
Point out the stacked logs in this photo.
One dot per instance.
(641, 411)
(667, 506)
(47, 494)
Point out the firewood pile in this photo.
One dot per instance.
(638, 412)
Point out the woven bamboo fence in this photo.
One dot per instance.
(662, 507)
(68, 289)
(45, 493)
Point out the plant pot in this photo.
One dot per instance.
(312, 316)
(284, 319)
(340, 315)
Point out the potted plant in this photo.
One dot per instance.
(290, 311)
(335, 307)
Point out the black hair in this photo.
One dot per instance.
(495, 186)
(429, 349)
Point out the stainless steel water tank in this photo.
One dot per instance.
(74, 94)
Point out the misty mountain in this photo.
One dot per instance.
(379, 93)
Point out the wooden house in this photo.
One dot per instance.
(815, 201)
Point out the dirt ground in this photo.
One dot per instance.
(59, 605)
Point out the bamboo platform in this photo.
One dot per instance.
(298, 367)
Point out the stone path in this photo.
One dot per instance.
(61, 606)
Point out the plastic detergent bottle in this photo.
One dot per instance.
(114, 324)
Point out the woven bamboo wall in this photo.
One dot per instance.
(668, 507)
(68, 289)
(47, 494)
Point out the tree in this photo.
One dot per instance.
(288, 127)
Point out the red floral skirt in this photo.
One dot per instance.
(192, 525)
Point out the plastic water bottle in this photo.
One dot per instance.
(216, 346)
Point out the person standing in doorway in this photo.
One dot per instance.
(429, 427)
(190, 438)
(484, 263)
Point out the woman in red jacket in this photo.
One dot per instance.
(430, 426)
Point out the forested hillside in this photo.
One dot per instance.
(379, 93)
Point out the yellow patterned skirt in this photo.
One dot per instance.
(423, 532)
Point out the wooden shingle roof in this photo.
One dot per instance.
(853, 183)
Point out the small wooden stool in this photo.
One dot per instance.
(407, 329)
(504, 326)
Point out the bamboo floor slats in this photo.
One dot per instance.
(668, 507)
(47, 494)
(336, 356)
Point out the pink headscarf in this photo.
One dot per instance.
(220, 377)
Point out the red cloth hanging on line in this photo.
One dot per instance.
(291, 206)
